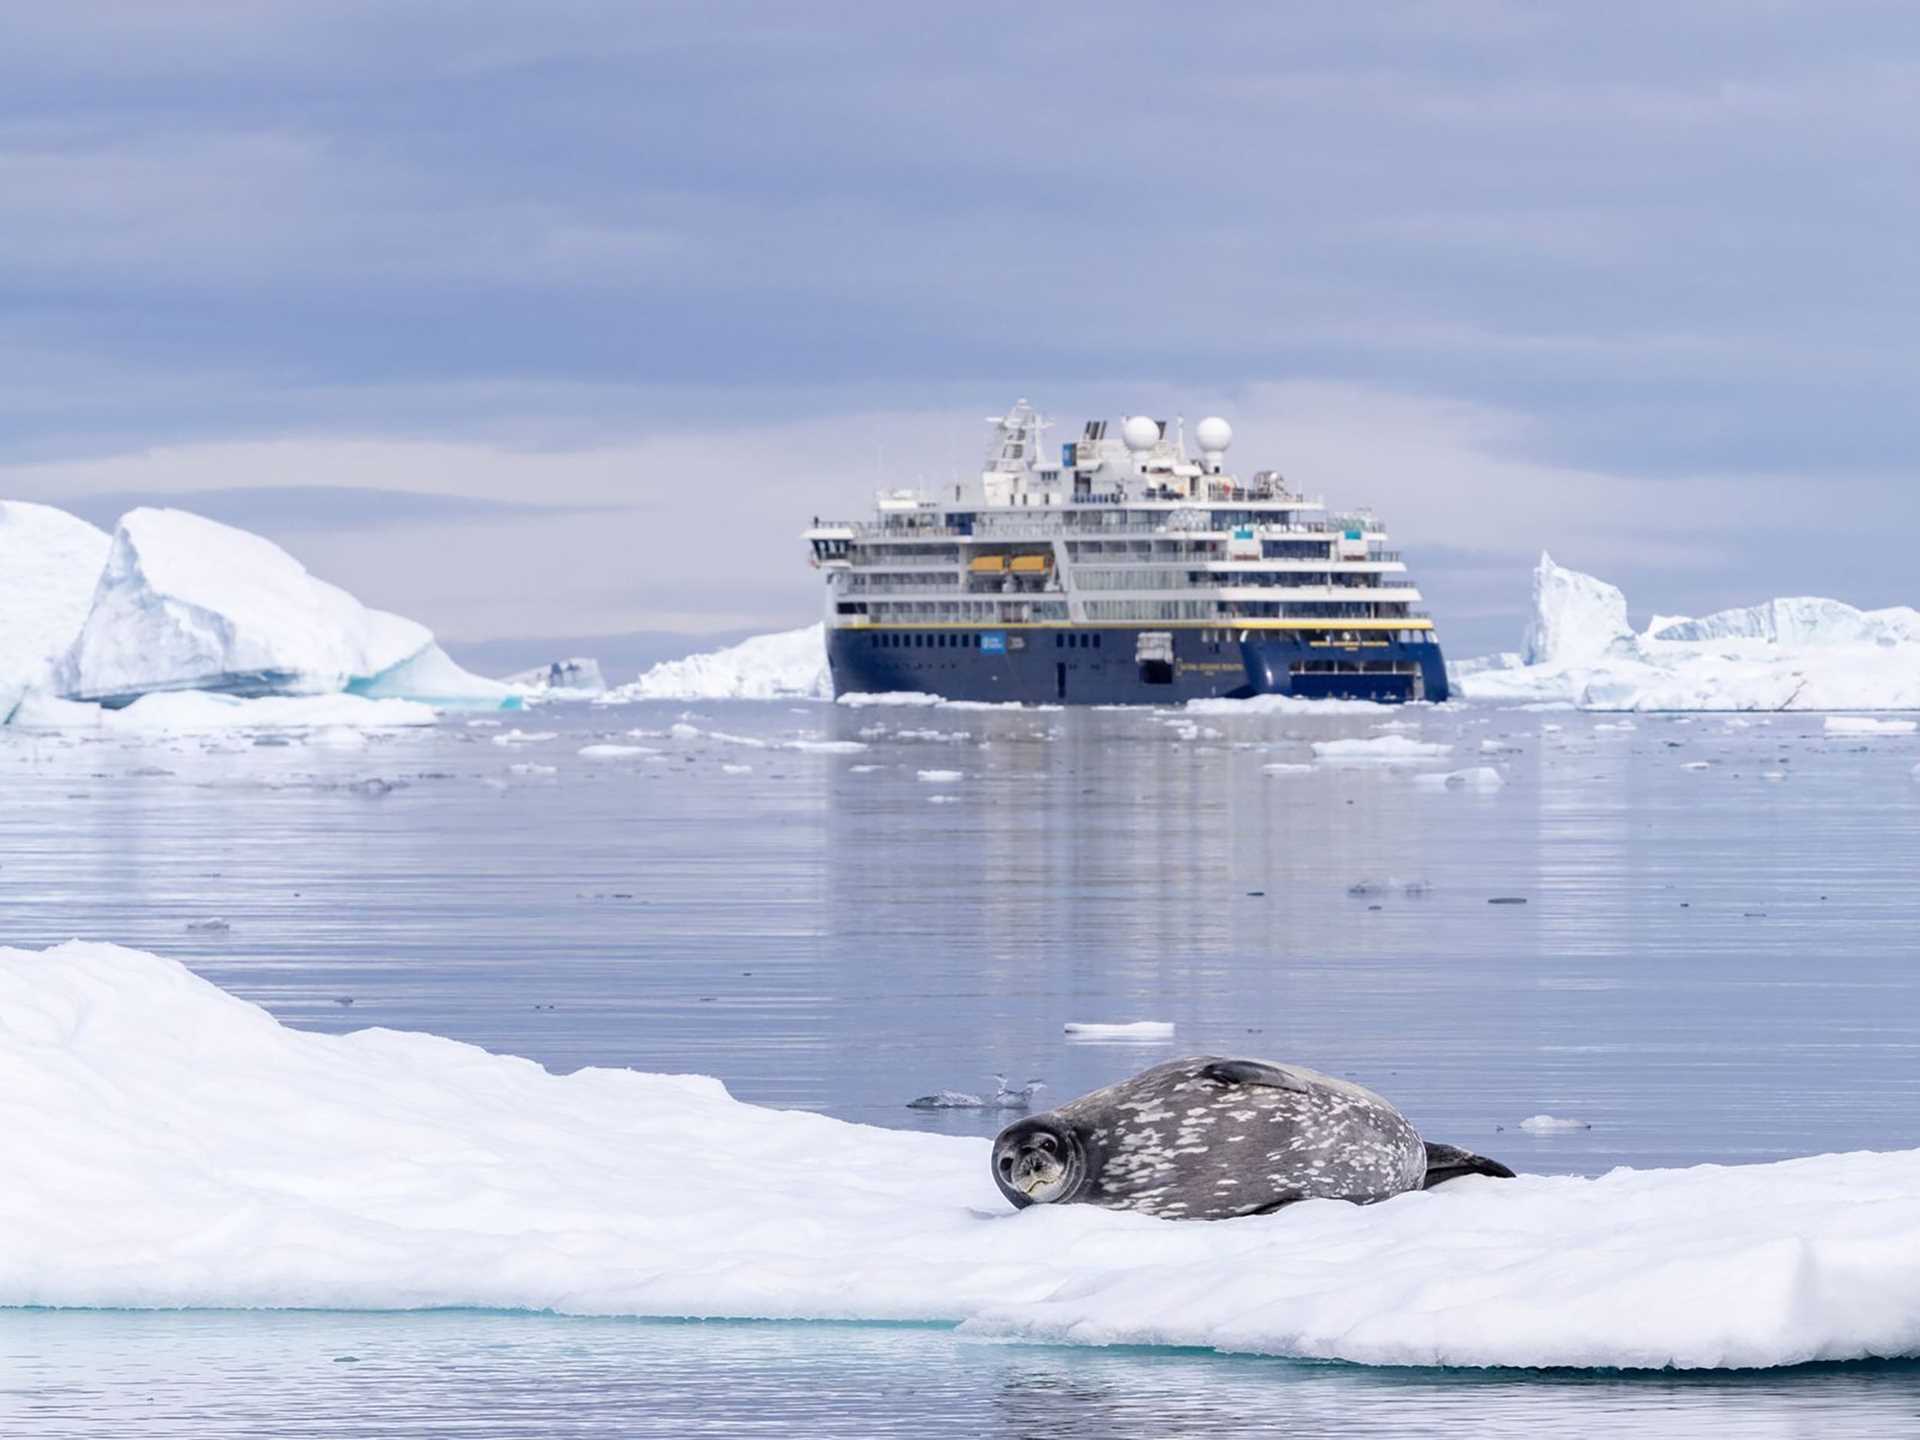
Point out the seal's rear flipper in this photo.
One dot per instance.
(1450, 1162)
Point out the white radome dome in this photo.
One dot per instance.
(1139, 432)
(1213, 433)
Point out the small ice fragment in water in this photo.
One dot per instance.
(614, 752)
(1481, 777)
(1548, 1124)
(1868, 725)
(940, 777)
(1127, 1030)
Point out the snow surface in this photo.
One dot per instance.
(50, 562)
(1788, 654)
(789, 665)
(198, 712)
(185, 603)
(169, 1145)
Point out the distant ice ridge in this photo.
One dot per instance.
(49, 561)
(1789, 654)
(384, 1170)
(788, 665)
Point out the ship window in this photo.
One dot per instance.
(1096, 640)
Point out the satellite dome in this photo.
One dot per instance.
(1140, 433)
(1213, 433)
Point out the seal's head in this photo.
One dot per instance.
(1039, 1161)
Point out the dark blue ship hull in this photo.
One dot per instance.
(1104, 666)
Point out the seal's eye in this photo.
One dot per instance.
(1006, 1165)
(1048, 1144)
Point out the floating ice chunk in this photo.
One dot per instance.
(1389, 748)
(50, 562)
(1868, 725)
(861, 769)
(1285, 767)
(1480, 777)
(736, 769)
(943, 799)
(826, 747)
(614, 752)
(527, 767)
(517, 736)
(789, 665)
(1550, 1124)
(1697, 765)
(1616, 725)
(338, 737)
(861, 699)
(940, 777)
(1278, 705)
(417, 1172)
(1124, 1030)
(193, 712)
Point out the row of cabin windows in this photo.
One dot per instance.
(1079, 641)
(910, 640)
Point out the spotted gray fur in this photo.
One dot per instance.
(1209, 1138)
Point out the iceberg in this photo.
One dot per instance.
(173, 1146)
(186, 603)
(788, 665)
(1799, 653)
(49, 564)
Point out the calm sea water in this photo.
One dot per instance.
(1712, 964)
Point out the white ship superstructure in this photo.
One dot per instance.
(1181, 578)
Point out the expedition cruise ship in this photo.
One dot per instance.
(1124, 572)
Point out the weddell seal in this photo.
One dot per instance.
(1209, 1138)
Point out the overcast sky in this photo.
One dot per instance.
(585, 309)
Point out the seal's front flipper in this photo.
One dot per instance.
(1450, 1162)
(1250, 1072)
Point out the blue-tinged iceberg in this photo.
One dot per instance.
(185, 603)
(49, 561)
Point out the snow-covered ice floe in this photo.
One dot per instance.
(790, 665)
(172, 1146)
(1787, 654)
